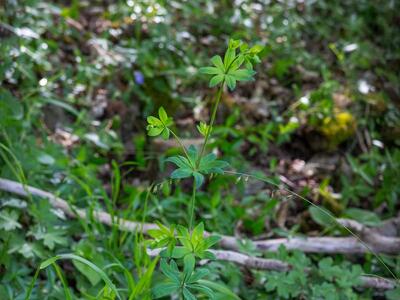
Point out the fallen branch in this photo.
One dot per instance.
(343, 245)
(318, 244)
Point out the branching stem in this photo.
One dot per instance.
(213, 115)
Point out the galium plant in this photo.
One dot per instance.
(185, 245)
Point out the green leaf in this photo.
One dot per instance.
(189, 262)
(210, 164)
(169, 272)
(198, 274)
(188, 295)
(203, 128)
(180, 161)
(210, 70)
(180, 252)
(256, 49)
(320, 217)
(164, 289)
(217, 61)
(211, 241)
(363, 216)
(242, 74)
(181, 173)
(46, 159)
(93, 277)
(48, 262)
(154, 131)
(9, 220)
(203, 289)
(233, 44)
(219, 288)
(165, 134)
(198, 232)
(230, 81)
(198, 179)
(96, 269)
(229, 57)
(154, 121)
(51, 238)
(207, 255)
(163, 115)
(216, 80)
(393, 294)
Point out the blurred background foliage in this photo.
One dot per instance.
(79, 78)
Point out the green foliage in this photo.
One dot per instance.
(78, 81)
(327, 280)
(229, 70)
(183, 282)
(159, 126)
(187, 166)
(194, 245)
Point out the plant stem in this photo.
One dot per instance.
(213, 115)
(191, 207)
(182, 146)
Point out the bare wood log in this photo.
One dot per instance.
(71, 211)
(227, 241)
(343, 245)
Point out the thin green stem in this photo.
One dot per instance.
(181, 144)
(191, 207)
(213, 115)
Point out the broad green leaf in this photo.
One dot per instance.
(203, 128)
(93, 277)
(51, 238)
(230, 81)
(216, 80)
(154, 121)
(233, 44)
(217, 61)
(203, 289)
(210, 70)
(189, 262)
(198, 274)
(363, 216)
(165, 134)
(211, 241)
(163, 115)
(320, 217)
(256, 49)
(198, 231)
(154, 131)
(198, 179)
(164, 289)
(169, 272)
(181, 173)
(219, 288)
(242, 74)
(84, 261)
(46, 159)
(180, 252)
(180, 161)
(229, 57)
(9, 220)
(188, 295)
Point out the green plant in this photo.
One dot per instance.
(237, 65)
